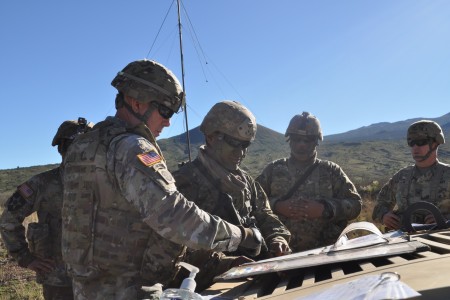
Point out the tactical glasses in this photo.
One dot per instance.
(236, 143)
(304, 139)
(419, 143)
(163, 110)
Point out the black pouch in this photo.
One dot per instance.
(38, 236)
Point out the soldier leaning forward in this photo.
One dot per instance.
(217, 184)
(120, 199)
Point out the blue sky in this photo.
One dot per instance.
(352, 63)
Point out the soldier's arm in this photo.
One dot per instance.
(272, 229)
(264, 181)
(385, 201)
(145, 182)
(346, 203)
(16, 209)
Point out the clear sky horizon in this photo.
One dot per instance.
(352, 63)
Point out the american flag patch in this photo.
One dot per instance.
(25, 190)
(149, 158)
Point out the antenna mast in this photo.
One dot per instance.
(182, 80)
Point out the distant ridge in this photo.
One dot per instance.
(367, 154)
(268, 145)
(385, 130)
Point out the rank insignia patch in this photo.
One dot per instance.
(149, 158)
(25, 190)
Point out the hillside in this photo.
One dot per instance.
(386, 130)
(367, 154)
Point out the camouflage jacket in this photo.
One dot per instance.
(43, 194)
(121, 203)
(249, 207)
(410, 185)
(328, 183)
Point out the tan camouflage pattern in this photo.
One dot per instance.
(327, 182)
(410, 185)
(118, 211)
(151, 72)
(304, 124)
(251, 202)
(425, 129)
(231, 118)
(45, 198)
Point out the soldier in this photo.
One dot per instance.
(427, 180)
(43, 194)
(219, 186)
(313, 197)
(121, 202)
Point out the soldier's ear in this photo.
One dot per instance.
(211, 139)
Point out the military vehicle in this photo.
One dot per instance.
(419, 260)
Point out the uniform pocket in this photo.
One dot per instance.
(38, 235)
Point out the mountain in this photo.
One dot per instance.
(367, 154)
(385, 130)
(268, 145)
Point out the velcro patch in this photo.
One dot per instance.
(25, 190)
(149, 158)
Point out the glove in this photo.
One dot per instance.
(251, 242)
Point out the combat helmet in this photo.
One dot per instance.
(231, 118)
(148, 81)
(68, 130)
(425, 129)
(304, 124)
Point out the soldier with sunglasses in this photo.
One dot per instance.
(313, 197)
(427, 180)
(217, 184)
(124, 221)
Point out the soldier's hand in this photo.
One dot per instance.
(429, 219)
(284, 207)
(309, 209)
(42, 265)
(278, 248)
(240, 260)
(391, 221)
(292, 209)
(252, 240)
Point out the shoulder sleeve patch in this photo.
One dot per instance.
(149, 158)
(25, 190)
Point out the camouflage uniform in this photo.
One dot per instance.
(119, 200)
(245, 204)
(42, 194)
(327, 183)
(413, 184)
(410, 185)
(122, 212)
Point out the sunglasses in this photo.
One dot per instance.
(163, 110)
(419, 143)
(304, 139)
(236, 143)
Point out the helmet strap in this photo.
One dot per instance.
(431, 149)
(143, 118)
